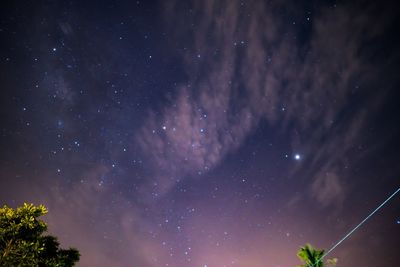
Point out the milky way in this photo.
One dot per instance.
(204, 133)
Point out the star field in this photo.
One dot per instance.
(204, 133)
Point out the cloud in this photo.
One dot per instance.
(66, 28)
(245, 64)
(328, 189)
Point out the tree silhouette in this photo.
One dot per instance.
(23, 243)
(312, 257)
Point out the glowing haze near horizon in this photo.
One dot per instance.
(203, 133)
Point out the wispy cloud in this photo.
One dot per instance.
(244, 67)
(327, 189)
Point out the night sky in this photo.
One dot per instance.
(204, 133)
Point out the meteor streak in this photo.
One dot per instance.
(358, 226)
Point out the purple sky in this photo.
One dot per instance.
(204, 133)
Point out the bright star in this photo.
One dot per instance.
(297, 157)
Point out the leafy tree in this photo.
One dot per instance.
(312, 257)
(23, 243)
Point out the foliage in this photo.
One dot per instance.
(312, 257)
(23, 243)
